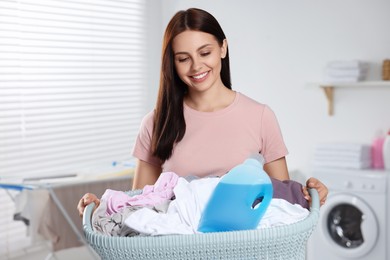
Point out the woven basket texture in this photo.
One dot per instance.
(280, 242)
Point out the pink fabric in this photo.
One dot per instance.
(151, 195)
(215, 142)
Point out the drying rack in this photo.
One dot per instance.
(33, 192)
(19, 187)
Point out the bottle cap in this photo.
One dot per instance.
(256, 159)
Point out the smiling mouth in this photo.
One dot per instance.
(200, 76)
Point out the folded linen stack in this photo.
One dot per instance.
(345, 71)
(342, 155)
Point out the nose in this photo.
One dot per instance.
(196, 64)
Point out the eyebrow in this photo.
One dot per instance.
(201, 47)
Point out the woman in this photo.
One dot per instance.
(200, 126)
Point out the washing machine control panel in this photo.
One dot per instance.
(355, 185)
(353, 180)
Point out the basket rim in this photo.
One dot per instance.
(269, 233)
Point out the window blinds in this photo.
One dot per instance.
(72, 83)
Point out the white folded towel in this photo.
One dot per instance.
(345, 71)
(343, 147)
(342, 155)
(347, 64)
(342, 164)
(346, 156)
(337, 73)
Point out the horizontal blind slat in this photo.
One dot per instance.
(62, 8)
(135, 82)
(70, 70)
(72, 81)
(40, 24)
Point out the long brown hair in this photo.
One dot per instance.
(169, 123)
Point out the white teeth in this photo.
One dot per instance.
(200, 76)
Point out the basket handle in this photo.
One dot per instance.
(315, 199)
(87, 217)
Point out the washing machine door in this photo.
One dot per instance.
(349, 225)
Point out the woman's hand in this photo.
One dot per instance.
(87, 199)
(319, 186)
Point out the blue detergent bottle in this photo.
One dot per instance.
(239, 200)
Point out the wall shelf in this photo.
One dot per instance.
(329, 89)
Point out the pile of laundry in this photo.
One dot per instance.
(174, 205)
(342, 155)
(345, 71)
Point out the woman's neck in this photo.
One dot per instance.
(210, 101)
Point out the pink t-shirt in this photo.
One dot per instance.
(215, 142)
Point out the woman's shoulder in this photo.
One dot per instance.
(147, 120)
(249, 102)
(251, 106)
(149, 115)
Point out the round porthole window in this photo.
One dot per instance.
(344, 225)
(349, 225)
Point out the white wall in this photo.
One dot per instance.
(278, 47)
(154, 40)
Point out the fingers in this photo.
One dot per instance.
(80, 207)
(320, 187)
(87, 199)
(322, 192)
(313, 183)
(305, 193)
(323, 195)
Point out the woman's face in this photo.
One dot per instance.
(197, 57)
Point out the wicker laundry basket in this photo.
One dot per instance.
(280, 242)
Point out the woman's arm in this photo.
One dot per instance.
(145, 174)
(277, 169)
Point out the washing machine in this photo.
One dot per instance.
(353, 222)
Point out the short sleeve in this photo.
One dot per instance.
(142, 148)
(273, 146)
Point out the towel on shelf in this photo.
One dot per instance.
(342, 164)
(345, 71)
(342, 147)
(345, 64)
(342, 155)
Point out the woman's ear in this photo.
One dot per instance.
(224, 49)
